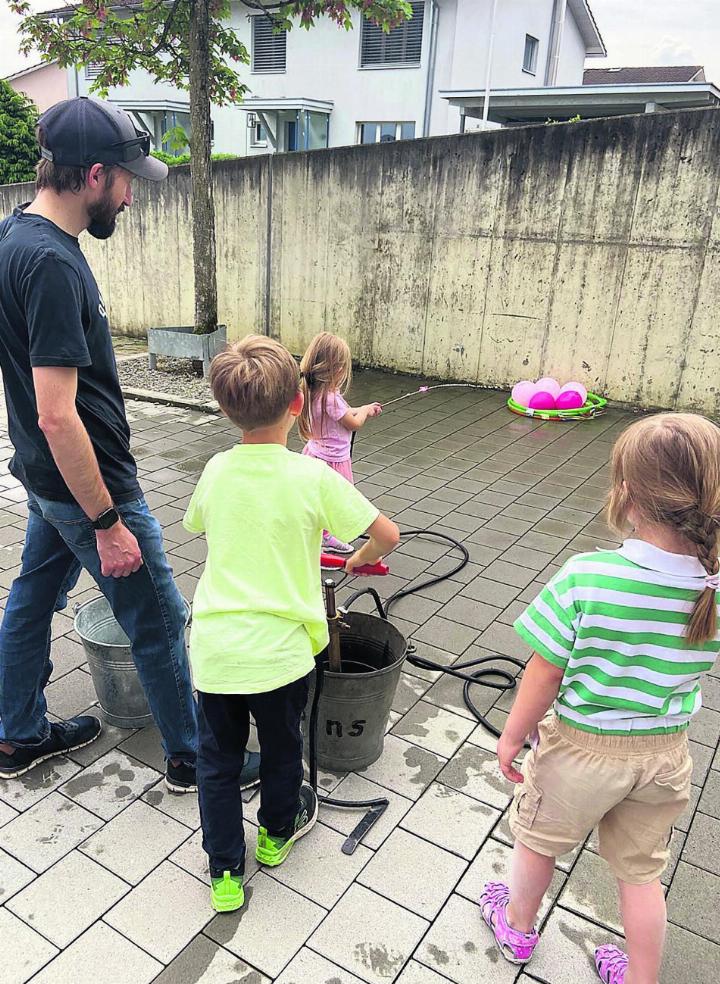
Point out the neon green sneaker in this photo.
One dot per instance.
(227, 893)
(272, 851)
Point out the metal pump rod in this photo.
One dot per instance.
(334, 657)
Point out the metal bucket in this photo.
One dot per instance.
(355, 705)
(119, 691)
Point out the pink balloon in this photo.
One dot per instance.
(548, 385)
(523, 392)
(576, 388)
(570, 400)
(542, 401)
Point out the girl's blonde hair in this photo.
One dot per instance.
(667, 468)
(325, 367)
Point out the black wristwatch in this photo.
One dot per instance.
(106, 519)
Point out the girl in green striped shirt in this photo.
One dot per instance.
(620, 641)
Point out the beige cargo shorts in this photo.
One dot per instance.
(633, 788)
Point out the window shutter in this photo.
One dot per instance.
(92, 70)
(269, 46)
(402, 46)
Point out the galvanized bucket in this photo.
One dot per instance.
(119, 691)
(355, 705)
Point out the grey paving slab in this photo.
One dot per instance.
(409, 691)
(701, 847)
(452, 820)
(710, 799)
(47, 831)
(268, 903)
(318, 869)
(7, 813)
(309, 967)
(183, 808)
(205, 962)
(88, 889)
(355, 787)
(135, 841)
(591, 892)
(434, 728)
(369, 935)
(25, 791)
(13, 876)
(24, 951)
(100, 954)
(164, 912)
(475, 771)
(404, 768)
(694, 901)
(689, 959)
(112, 782)
(460, 947)
(416, 973)
(413, 872)
(705, 727)
(70, 694)
(446, 634)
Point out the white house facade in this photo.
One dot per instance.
(330, 87)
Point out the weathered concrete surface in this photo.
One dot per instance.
(588, 250)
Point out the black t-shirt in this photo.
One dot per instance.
(52, 314)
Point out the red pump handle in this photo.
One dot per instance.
(332, 562)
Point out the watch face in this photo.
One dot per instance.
(107, 519)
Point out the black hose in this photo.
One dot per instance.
(495, 677)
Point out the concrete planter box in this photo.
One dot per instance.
(183, 343)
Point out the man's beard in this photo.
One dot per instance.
(103, 217)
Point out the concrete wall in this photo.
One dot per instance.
(588, 250)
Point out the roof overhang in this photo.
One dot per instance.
(589, 31)
(152, 105)
(257, 104)
(530, 105)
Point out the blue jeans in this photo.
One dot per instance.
(59, 542)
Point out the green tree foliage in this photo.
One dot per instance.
(18, 147)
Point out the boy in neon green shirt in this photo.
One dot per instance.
(258, 614)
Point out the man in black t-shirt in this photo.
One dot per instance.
(67, 423)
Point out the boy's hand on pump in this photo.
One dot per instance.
(355, 561)
(383, 536)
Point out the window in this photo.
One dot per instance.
(269, 47)
(258, 136)
(402, 46)
(532, 46)
(92, 70)
(370, 133)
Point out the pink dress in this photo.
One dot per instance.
(332, 445)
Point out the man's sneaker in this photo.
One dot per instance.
(182, 778)
(273, 850)
(64, 737)
(331, 544)
(227, 893)
(250, 775)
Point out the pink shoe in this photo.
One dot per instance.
(331, 544)
(611, 964)
(515, 946)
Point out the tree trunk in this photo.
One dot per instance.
(203, 205)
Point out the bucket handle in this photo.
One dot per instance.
(358, 594)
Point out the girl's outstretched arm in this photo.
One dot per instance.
(538, 689)
(355, 418)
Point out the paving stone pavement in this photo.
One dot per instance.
(102, 874)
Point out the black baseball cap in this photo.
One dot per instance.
(83, 131)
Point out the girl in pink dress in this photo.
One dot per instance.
(327, 421)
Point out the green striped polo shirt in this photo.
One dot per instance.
(614, 621)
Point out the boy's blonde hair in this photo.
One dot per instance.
(254, 381)
(667, 467)
(326, 366)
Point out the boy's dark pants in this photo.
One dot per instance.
(224, 728)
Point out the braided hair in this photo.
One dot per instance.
(326, 366)
(667, 467)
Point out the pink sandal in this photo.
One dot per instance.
(515, 946)
(611, 964)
